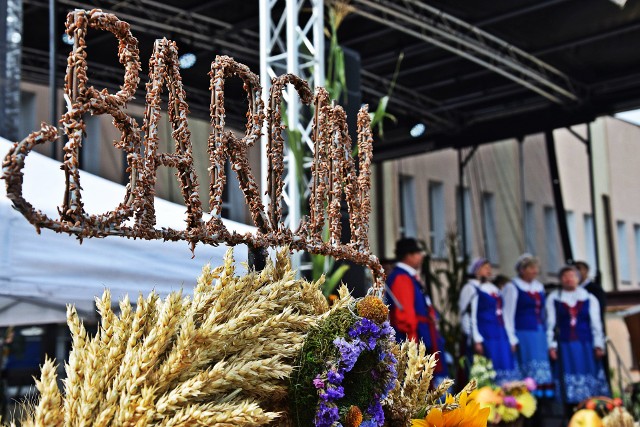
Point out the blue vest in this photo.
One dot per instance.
(419, 305)
(490, 325)
(529, 312)
(581, 328)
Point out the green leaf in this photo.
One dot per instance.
(341, 72)
(317, 262)
(391, 117)
(378, 115)
(334, 279)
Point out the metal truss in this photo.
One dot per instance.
(10, 70)
(160, 19)
(291, 41)
(447, 32)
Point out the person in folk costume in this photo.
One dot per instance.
(576, 341)
(592, 286)
(523, 312)
(487, 326)
(468, 293)
(411, 312)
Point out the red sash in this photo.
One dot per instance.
(498, 307)
(538, 300)
(573, 318)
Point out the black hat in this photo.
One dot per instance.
(406, 246)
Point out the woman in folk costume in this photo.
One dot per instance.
(487, 325)
(411, 312)
(524, 322)
(576, 341)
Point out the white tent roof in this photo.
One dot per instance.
(40, 274)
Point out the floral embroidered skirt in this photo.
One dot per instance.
(533, 356)
(583, 374)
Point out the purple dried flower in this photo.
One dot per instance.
(376, 412)
(349, 353)
(318, 382)
(334, 377)
(327, 415)
(335, 393)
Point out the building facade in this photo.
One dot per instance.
(509, 204)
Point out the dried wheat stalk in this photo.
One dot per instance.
(220, 358)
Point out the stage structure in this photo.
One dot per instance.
(10, 72)
(291, 41)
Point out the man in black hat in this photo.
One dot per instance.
(411, 313)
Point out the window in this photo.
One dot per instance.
(90, 152)
(571, 229)
(408, 226)
(489, 222)
(27, 114)
(468, 225)
(530, 227)
(437, 222)
(551, 235)
(590, 243)
(624, 270)
(636, 234)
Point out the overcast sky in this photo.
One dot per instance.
(632, 116)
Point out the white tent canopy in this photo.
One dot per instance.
(40, 274)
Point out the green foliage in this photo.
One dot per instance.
(333, 280)
(336, 80)
(378, 116)
(482, 371)
(448, 283)
(323, 265)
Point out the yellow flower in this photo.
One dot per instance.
(354, 417)
(528, 404)
(467, 414)
(434, 418)
(494, 416)
(373, 308)
(508, 414)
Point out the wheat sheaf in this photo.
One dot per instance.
(221, 357)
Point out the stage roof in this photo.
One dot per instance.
(472, 72)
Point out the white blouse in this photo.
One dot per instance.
(510, 299)
(467, 293)
(571, 298)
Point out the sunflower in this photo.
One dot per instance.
(467, 414)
